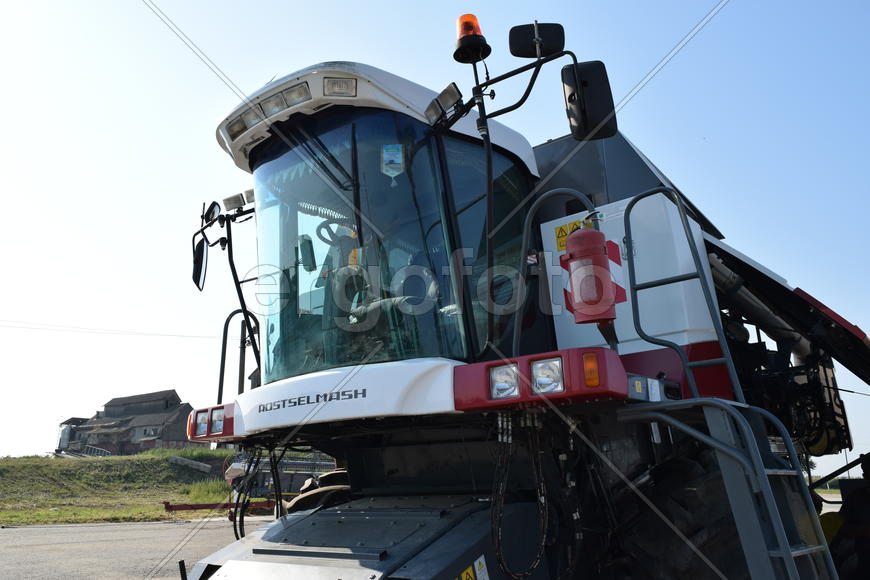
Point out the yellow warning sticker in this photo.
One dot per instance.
(477, 571)
(563, 231)
(480, 568)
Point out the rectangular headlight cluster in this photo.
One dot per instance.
(211, 423)
(269, 106)
(572, 375)
(546, 375)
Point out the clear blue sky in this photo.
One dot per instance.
(108, 150)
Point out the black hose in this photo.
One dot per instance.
(503, 463)
(276, 482)
(243, 498)
(522, 297)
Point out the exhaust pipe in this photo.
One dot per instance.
(729, 282)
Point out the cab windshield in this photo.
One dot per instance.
(350, 238)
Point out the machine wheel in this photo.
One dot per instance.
(691, 494)
(321, 497)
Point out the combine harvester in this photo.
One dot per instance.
(529, 362)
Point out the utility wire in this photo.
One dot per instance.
(41, 326)
(622, 103)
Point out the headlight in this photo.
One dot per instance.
(217, 420)
(297, 94)
(252, 116)
(547, 376)
(236, 127)
(273, 104)
(343, 87)
(504, 382)
(202, 423)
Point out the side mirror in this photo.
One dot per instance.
(306, 253)
(524, 40)
(213, 211)
(590, 104)
(200, 261)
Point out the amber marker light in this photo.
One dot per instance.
(590, 370)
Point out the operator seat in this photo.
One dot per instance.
(344, 287)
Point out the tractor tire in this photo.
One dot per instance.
(320, 497)
(691, 494)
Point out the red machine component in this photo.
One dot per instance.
(587, 374)
(593, 296)
(211, 424)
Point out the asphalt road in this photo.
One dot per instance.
(109, 551)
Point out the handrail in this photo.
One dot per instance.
(251, 322)
(633, 287)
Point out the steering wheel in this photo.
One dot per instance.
(326, 234)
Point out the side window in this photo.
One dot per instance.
(511, 185)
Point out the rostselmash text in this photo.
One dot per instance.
(303, 400)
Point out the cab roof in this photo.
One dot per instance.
(375, 88)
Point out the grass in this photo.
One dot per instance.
(194, 453)
(41, 490)
(206, 491)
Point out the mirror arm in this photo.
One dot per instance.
(238, 285)
(538, 62)
(240, 213)
(534, 66)
(525, 96)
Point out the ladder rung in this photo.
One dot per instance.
(666, 281)
(797, 551)
(707, 363)
(791, 472)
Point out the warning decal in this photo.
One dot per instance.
(477, 571)
(563, 231)
(480, 569)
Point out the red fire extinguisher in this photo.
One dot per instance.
(592, 294)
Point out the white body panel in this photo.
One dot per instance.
(763, 269)
(375, 88)
(414, 387)
(676, 312)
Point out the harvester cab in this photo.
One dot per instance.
(528, 362)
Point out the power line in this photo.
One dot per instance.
(41, 326)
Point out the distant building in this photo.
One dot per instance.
(128, 425)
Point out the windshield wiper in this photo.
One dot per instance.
(354, 166)
(348, 179)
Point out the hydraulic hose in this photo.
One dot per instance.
(521, 296)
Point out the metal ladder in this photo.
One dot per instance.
(759, 484)
(699, 273)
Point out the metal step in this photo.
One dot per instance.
(797, 551)
(785, 472)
